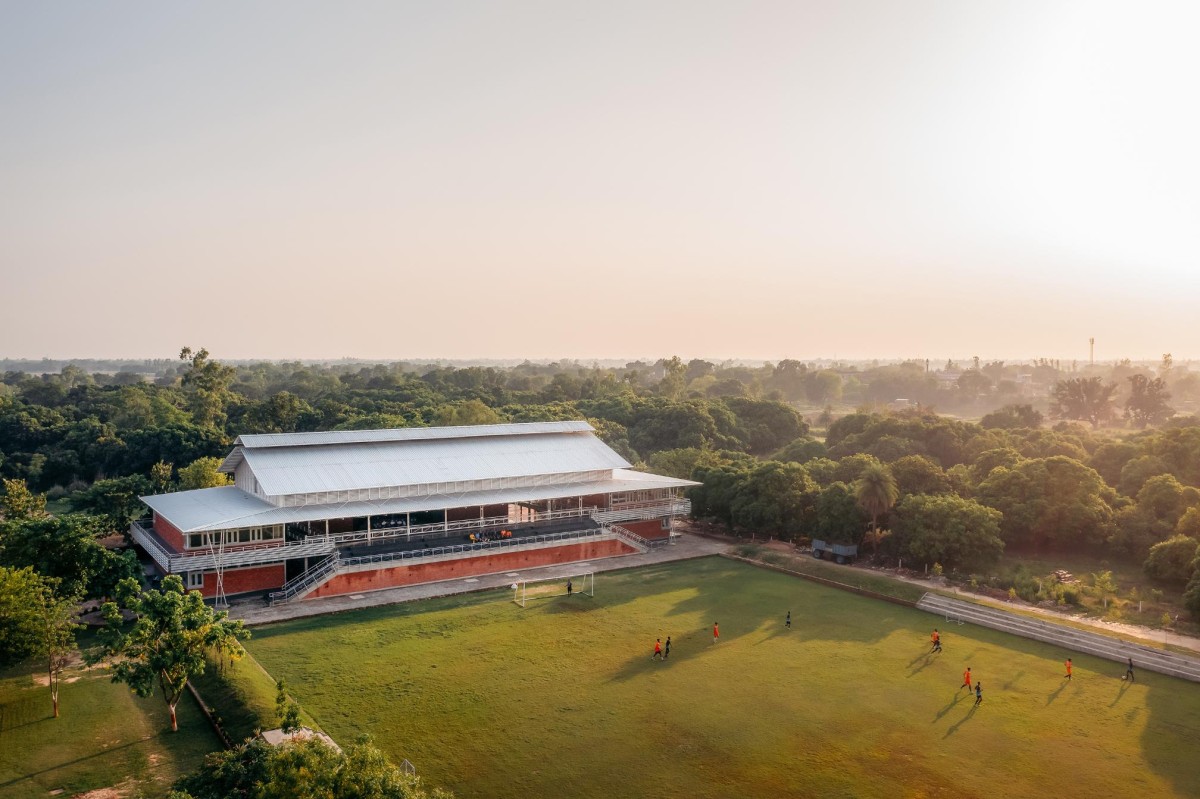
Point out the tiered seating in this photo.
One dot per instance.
(1069, 638)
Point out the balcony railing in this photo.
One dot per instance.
(335, 564)
(209, 558)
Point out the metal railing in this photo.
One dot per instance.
(317, 545)
(176, 563)
(309, 579)
(147, 541)
(386, 533)
(675, 507)
(455, 549)
(629, 537)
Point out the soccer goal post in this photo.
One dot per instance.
(583, 583)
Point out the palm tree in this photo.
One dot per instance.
(876, 493)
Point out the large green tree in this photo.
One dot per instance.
(20, 590)
(167, 643)
(1147, 401)
(876, 493)
(1049, 503)
(955, 532)
(304, 768)
(1172, 561)
(1087, 399)
(67, 548)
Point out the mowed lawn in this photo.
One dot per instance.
(105, 737)
(563, 699)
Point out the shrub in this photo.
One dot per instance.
(1068, 594)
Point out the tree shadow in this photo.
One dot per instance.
(962, 721)
(1012, 681)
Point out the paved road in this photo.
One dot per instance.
(256, 612)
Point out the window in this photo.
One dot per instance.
(195, 580)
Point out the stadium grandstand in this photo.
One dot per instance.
(341, 512)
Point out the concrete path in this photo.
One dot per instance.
(254, 611)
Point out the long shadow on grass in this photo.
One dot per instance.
(947, 708)
(962, 721)
(1054, 694)
(77, 761)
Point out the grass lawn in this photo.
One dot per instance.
(105, 737)
(562, 698)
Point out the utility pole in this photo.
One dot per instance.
(1092, 351)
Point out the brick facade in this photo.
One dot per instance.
(244, 581)
(650, 530)
(169, 533)
(376, 579)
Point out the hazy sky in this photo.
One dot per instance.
(599, 179)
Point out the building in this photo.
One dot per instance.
(320, 514)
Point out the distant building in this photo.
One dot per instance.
(319, 514)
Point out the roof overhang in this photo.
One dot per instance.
(229, 507)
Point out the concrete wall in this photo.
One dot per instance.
(395, 576)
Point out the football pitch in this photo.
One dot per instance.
(562, 698)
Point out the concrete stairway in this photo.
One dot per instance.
(1069, 638)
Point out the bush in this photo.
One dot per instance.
(1171, 561)
(1068, 594)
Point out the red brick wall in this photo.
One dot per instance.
(355, 582)
(651, 528)
(241, 581)
(168, 533)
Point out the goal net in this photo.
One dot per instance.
(525, 591)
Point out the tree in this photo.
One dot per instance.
(1012, 417)
(169, 639)
(917, 474)
(160, 477)
(1053, 503)
(19, 629)
(1147, 402)
(839, 516)
(1104, 584)
(67, 548)
(947, 529)
(117, 498)
(301, 769)
(57, 622)
(1171, 561)
(1087, 399)
(206, 383)
(202, 473)
(876, 492)
(19, 502)
(465, 413)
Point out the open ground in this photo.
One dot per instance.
(563, 698)
(106, 737)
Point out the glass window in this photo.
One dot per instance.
(195, 580)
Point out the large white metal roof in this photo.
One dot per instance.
(342, 460)
(378, 464)
(264, 440)
(228, 506)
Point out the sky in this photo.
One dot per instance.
(599, 180)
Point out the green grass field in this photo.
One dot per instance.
(105, 737)
(563, 699)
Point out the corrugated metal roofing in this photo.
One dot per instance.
(359, 465)
(228, 506)
(192, 510)
(260, 440)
